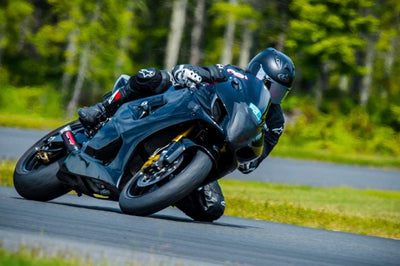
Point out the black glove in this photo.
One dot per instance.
(249, 166)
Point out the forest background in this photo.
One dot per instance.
(58, 55)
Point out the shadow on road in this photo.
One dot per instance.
(160, 216)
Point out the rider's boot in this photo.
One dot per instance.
(146, 82)
(91, 116)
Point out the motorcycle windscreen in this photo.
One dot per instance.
(120, 82)
(258, 95)
(244, 125)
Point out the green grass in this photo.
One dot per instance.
(6, 172)
(37, 257)
(368, 212)
(31, 121)
(31, 107)
(378, 161)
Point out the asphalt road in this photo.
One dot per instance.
(13, 142)
(96, 229)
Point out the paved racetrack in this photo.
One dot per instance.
(96, 228)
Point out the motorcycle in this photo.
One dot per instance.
(154, 151)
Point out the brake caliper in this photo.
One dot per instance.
(42, 155)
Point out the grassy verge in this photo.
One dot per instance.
(36, 256)
(368, 212)
(6, 172)
(32, 121)
(379, 161)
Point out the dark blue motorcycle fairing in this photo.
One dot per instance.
(252, 90)
(179, 106)
(247, 101)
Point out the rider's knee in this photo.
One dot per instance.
(150, 81)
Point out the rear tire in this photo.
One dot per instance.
(159, 197)
(36, 181)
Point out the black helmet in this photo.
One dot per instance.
(276, 70)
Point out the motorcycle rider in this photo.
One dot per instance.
(275, 69)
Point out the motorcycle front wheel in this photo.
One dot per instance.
(36, 180)
(146, 194)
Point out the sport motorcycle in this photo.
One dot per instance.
(154, 151)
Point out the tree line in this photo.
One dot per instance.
(346, 52)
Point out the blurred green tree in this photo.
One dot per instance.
(326, 36)
(15, 20)
(347, 52)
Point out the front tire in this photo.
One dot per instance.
(157, 197)
(37, 181)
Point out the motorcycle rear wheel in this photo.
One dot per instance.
(37, 181)
(193, 169)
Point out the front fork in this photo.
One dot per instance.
(175, 149)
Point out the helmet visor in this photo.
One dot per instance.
(278, 92)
